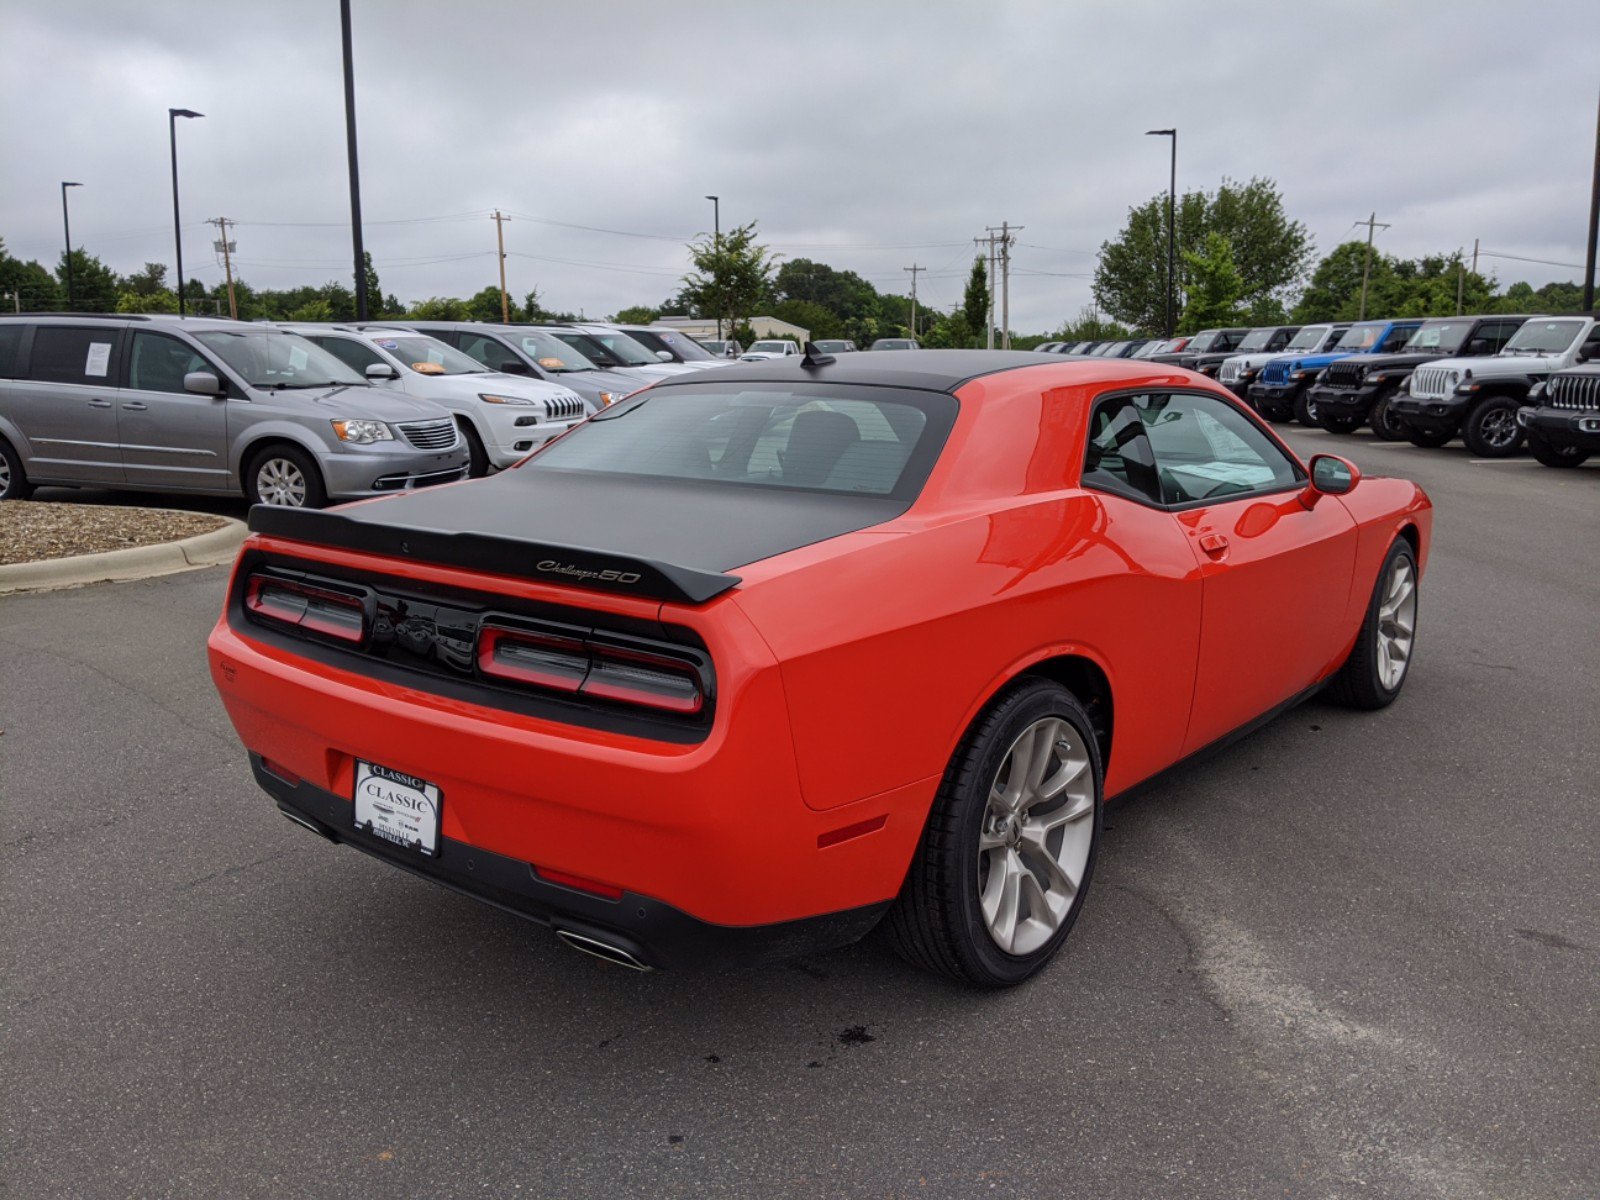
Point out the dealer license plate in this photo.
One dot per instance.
(398, 808)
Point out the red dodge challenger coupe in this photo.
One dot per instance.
(763, 656)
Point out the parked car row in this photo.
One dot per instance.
(1497, 381)
(301, 414)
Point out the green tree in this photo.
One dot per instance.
(638, 314)
(950, 331)
(438, 308)
(850, 298)
(975, 300)
(1271, 253)
(822, 322)
(1092, 326)
(94, 285)
(485, 306)
(147, 281)
(1215, 286)
(732, 275)
(1396, 287)
(27, 285)
(146, 302)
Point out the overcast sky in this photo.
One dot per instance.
(869, 135)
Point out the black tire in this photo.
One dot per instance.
(1546, 451)
(1275, 413)
(477, 457)
(315, 491)
(1491, 429)
(1339, 422)
(1384, 423)
(1305, 411)
(936, 922)
(1428, 439)
(14, 483)
(1359, 683)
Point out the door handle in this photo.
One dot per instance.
(1213, 543)
(99, 404)
(135, 406)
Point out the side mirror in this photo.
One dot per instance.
(515, 366)
(664, 356)
(1330, 476)
(203, 383)
(1477, 345)
(381, 371)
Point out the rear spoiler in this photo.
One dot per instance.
(570, 566)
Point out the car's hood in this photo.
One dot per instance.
(1501, 364)
(620, 380)
(470, 387)
(1255, 360)
(1389, 362)
(376, 403)
(703, 526)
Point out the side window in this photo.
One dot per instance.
(350, 352)
(63, 354)
(1280, 339)
(1117, 458)
(1205, 449)
(485, 350)
(1398, 337)
(1591, 343)
(10, 339)
(158, 363)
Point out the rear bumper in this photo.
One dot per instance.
(653, 933)
(1563, 426)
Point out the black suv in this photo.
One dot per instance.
(1207, 341)
(1563, 424)
(1354, 390)
(1265, 340)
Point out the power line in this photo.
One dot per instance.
(1544, 262)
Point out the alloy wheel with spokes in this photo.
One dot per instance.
(1005, 859)
(1385, 646)
(1397, 623)
(1034, 846)
(279, 481)
(285, 477)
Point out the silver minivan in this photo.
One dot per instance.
(170, 404)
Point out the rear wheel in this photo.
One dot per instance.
(477, 457)
(1384, 423)
(1552, 455)
(14, 483)
(1005, 861)
(1491, 429)
(284, 476)
(1426, 438)
(1378, 664)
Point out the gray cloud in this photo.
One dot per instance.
(867, 135)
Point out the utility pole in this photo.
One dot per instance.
(988, 314)
(1474, 256)
(66, 228)
(1372, 223)
(355, 163)
(1594, 225)
(913, 268)
(1461, 285)
(226, 247)
(1005, 242)
(716, 244)
(500, 237)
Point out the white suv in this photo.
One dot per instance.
(773, 348)
(1478, 398)
(502, 417)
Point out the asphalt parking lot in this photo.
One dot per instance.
(1353, 955)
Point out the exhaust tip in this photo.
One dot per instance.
(597, 948)
(306, 823)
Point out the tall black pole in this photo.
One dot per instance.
(355, 168)
(177, 226)
(1594, 225)
(716, 241)
(1172, 238)
(66, 229)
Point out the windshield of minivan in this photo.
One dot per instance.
(1443, 337)
(429, 356)
(1359, 337)
(1543, 337)
(551, 353)
(267, 358)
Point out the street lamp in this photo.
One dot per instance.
(1172, 229)
(716, 226)
(177, 229)
(66, 228)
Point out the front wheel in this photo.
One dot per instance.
(1305, 409)
(1491, 429)
(1546, 451)
(1384, 422)
(14, 483)
(285, 477)
(1376, 670)
(477, 456)
(1005, 861)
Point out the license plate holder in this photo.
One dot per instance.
(397, 808)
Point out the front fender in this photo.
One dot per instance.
(241, 444)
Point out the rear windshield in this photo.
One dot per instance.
(847, 440)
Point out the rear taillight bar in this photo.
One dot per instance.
(665, 678)
(301, 605)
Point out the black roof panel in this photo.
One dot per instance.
(930, 370)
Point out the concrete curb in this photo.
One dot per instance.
(121, 566)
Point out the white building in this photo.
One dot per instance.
(763, 327)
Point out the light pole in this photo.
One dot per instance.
(716, 242)
(1172, 228)
(66, 228)
(177, 226)
(355, 172)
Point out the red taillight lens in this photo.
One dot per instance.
(594, 887)
(305, 606)
(576, 665)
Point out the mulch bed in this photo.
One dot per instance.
(33, 530)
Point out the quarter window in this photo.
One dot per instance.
(10, 339)
(1398, 337)
(63, 354)
(1119, 458)
(350, 352)
(485, 350)
(157, 363)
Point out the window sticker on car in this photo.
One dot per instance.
(551, 364)
(427, 368)
(390, 345)
(298, 358)
(99, 359)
